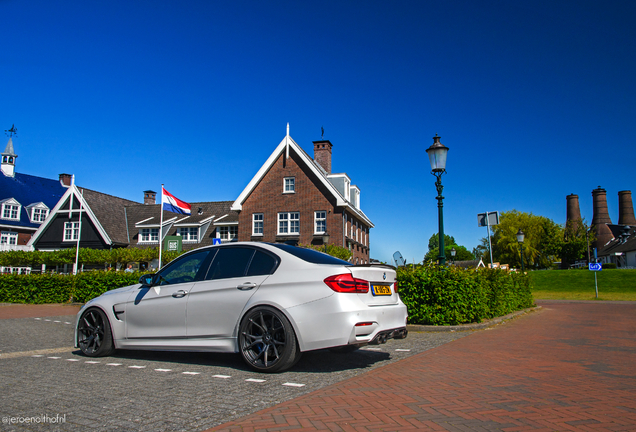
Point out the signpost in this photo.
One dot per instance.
(595, 267)
(486, 220)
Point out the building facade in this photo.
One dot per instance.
(295, 199)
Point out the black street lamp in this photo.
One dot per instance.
(520, 237)
(453, 253)
(325, 240)
(437, 156)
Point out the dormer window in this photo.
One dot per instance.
(37, 212)
(188, 234)
(289, 185)
(11, 209)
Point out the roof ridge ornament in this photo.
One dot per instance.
(11, 132)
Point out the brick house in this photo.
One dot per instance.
(297, 200)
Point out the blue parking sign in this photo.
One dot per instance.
(596, 266)
(216, 241)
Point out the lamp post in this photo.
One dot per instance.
(453, 253)
(325, 240)
(520, 237)
(437, 156)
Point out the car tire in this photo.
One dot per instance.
(267, 340)
(94, 337)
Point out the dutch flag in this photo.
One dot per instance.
(173, 204)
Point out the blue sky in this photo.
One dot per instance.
(535, 99)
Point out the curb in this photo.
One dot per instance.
(469, 327)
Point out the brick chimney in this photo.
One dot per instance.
(66, 179)
(625, 208)
(601, 218)
(322, 154)
(149, 197)
(573, 210)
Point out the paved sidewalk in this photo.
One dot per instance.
(568, 366)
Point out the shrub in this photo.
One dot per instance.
(451, 295)
(56, 288)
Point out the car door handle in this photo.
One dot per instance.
(179, 294)
(246, 286)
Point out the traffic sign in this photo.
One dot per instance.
(596, 266)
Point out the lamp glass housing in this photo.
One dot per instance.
(437, 157)
(325, 238)
(520, 236)
(453, 252)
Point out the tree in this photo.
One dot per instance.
(433, 242)
(463, 254)
(575, 242)
(542, 244)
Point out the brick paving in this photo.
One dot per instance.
(9, 311)
(568, 366)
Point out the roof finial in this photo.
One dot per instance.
(287, 128)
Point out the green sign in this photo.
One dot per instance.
(173, 243)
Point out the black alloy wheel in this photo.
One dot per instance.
(94, 336)
(267, 340)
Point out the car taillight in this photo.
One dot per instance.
(395, 287)
(346, 283)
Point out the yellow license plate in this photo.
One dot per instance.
(381, 290)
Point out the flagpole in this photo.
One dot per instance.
(160, 227)
(79, 233)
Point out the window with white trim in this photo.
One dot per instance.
(289, 223)
(257, 224)
(71, 231)
(289, 185)
(39, 214)
(188, 233)
(149, 235)
(228, 233)
(320, 222)
(9, 238)
(11, 211)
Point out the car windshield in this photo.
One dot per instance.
(310, 255)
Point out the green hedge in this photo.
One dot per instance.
(56, 288)
(451, 295)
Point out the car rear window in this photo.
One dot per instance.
(310, 255)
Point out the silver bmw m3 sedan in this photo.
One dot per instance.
(269, 302)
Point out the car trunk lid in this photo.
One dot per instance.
(382, 284)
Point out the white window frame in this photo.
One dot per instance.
(148, 235)
(289, 223)
(71, 231)
(9, 238)
(258, 224)
(228, 233)
(188, 234)
(320, 218)
(11, 210)
(289, 185)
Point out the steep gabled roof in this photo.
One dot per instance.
(27, 189)
(285, 146)
(106, 212)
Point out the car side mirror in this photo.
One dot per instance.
(147, 280)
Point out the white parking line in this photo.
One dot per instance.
(136, 367)
(221, 376)
(113, 364)
(255, 380)
(75, 360)
(91, 362)
(57, 321)
(163, 370)
(54, 358)
(37, 318)
(37, 355)
(66, 322)
(372, 349)
(403, 350)
(47, 320)
(294, 385)
(191, 373)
